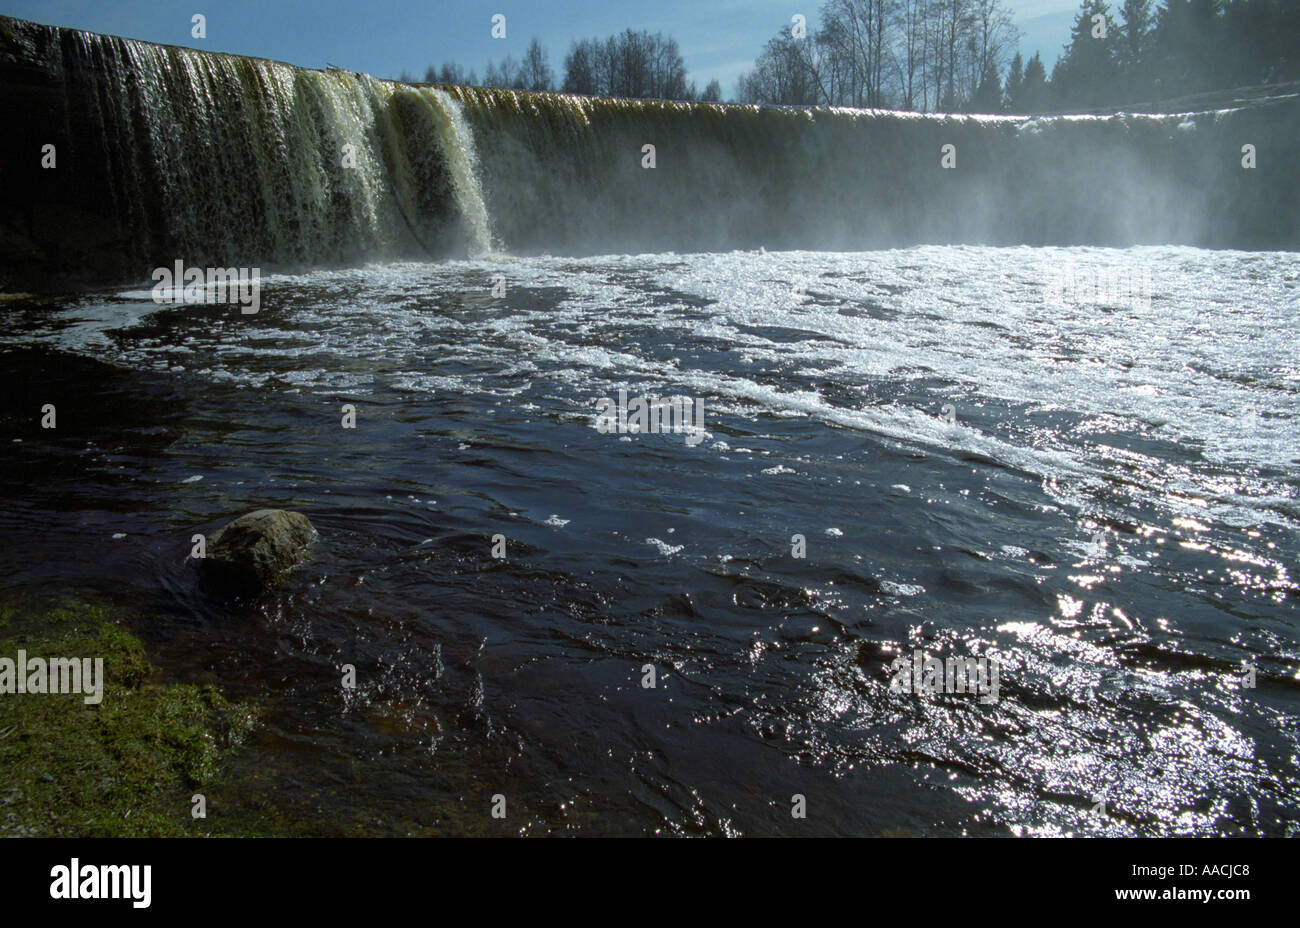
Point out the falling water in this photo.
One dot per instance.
(233, 160)
(173, 153)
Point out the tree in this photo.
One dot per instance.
(783, 74)
(853, 47)
(1034, 91)
(636, 65)
(1186, 46)
(1015, 77)
(508, 76)
(1085, 75)
(907, 49)
(946, 54)
(449, 73)
(993, 37)
(1259, 41)
(536, 69)
(580, 69)
(712, 92)
(988, 96)
(1134, 36)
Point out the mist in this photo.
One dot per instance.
(237, 161)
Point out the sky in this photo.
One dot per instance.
(718, 38)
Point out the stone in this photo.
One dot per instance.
(252, 553)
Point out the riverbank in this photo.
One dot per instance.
(130, 765)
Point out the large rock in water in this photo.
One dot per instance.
(253, 552)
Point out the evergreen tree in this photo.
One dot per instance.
(1132, 48)
(1086, 75)
(988, 96)
(1260, 42)
(1015, 77)
(1134, 40)
(1034, 91)
(1186, 47)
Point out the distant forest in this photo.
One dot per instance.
(635, 65)
(943, 55)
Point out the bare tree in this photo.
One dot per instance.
(632, 64)
(783, 74)
(580, 69)
(536, 69)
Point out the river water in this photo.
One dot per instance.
(1097, 491)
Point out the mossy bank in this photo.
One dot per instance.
(127, 765)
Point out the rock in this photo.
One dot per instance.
(252, 553)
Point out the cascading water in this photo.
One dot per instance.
(168, 153)
(174, 153)
(565, 175)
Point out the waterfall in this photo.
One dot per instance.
(563, 174)
(167, 153)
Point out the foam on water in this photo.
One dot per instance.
(973, 462)
(1210, 365)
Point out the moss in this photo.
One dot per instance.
(125, 767)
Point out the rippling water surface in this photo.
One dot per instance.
(1103, 497)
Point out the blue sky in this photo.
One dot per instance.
(718, 38)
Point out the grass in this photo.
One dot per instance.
(127, 767)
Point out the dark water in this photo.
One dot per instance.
(1111, 512)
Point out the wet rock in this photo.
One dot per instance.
(252, 553)
(874, 654)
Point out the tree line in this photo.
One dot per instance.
(635, 65)
(1182, 47)
(962, 55)
(897, 54)
(943, 56)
